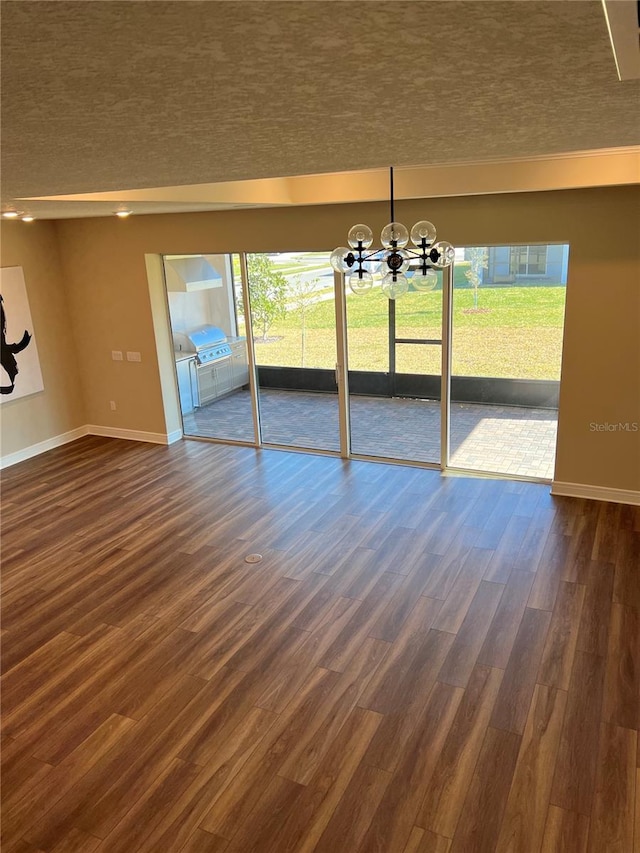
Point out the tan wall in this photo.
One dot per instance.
(108, 291)
(59, 408)
(106, 277)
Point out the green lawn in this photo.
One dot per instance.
(519, 335)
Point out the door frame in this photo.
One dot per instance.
(445, 374)
(251, 352)
(342, 374)
(342, 364)
(254, 385)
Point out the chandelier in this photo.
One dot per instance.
(363, 263)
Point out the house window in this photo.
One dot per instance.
(529, 260)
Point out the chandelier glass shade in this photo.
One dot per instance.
(401, 252)
(361, 262)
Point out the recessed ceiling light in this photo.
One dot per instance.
(28, 218)
(11, 214)
(122, 214)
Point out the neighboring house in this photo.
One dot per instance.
(534, 263)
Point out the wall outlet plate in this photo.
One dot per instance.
(116, 354)
(134, 356)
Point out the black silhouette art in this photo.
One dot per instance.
(8, 353)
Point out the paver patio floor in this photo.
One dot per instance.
(500, 439)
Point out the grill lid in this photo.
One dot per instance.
(199, 339)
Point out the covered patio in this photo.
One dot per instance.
(502, 439)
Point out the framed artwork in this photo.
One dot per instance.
(20, 374)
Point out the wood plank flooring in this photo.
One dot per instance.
(418, 663)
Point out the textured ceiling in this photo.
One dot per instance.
(103, 96)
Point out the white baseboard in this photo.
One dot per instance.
(596, 493)
(43, 446)
(131, 434)
(80, 432)
(174, 436)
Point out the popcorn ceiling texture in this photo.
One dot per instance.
(107, 95)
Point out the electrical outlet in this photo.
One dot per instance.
(116, 354)
(134, 356)
(112, 405)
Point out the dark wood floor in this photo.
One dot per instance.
(418, 663)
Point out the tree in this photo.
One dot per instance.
(302, 293)
(478, 257)
(268, 293)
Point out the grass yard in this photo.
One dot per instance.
(519, 336)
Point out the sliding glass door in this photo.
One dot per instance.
(508, 316)
(293, 315)
(464, 375)
(394, 351)
(213, 381)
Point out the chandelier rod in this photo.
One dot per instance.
(393, 219)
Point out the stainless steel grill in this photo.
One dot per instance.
(207, 343)
(212, 372)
